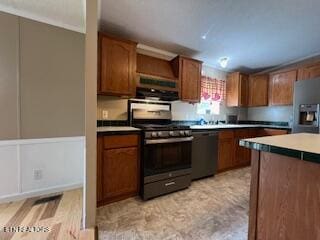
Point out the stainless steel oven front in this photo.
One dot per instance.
(166, 155)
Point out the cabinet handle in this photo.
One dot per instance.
(170, 183)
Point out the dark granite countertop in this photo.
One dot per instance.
(304, 146)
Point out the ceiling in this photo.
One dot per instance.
(69, 14)
(254, 34)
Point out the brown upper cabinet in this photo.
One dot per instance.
(117, 66)
(309, 72)
(189, 71)
(281, 87)
(237, 89)
(258, 90)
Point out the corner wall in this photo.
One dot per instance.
(41, 98)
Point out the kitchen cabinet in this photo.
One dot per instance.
(226, 150)
(237, 90)
(281, 87)
(189, 77)
(116, 66)
(241, 155)
(117, 167)
(309, 72)
(231, 155)
(258, 90)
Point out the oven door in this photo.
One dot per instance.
(166, 155)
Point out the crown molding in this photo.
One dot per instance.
(25, 14)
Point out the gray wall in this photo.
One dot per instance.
(9, 60)
(52, 81)
(41, 80)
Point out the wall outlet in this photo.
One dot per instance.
(37, 174)
(105, 114)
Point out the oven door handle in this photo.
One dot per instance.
(168, 140)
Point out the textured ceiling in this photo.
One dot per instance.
(68, 14)
(254, 34)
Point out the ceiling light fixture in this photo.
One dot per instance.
(204, 37)
(224, 62)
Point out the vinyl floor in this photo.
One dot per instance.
(213, 208)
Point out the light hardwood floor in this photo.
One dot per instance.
(62, 216)
(214, 208)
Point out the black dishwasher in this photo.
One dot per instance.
(204, 154)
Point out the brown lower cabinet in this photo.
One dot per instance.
(231, 155)
(117, 167)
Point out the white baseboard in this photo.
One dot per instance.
(40, 192)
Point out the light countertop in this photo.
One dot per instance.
(117, 129)
(303, 142)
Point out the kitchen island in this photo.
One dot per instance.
(285, 187)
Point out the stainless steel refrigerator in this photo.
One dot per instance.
(306, 106)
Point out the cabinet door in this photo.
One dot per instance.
(281, 88)
(258, 90)
(232, 89)
(190, 80)
(309, 72)
(226, 150)
(117, 67)
(244, 90)
(120, 172)
(241, 155)
(237, 89)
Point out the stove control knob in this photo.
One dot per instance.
(181, 133)
(171, 133)
(159, 134)
(187, 133)
(154, 134)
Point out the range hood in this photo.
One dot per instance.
(156, 94)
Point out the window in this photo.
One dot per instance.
(213, 92)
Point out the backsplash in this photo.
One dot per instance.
(271, 113)
(181, 111)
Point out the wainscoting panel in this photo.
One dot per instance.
(9, 170)
(30, 167)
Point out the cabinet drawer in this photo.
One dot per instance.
(121, 141)
(241, 133)
(273, 132)
(166, 186)
(226, 134)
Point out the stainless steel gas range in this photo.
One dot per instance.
(165, 148)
